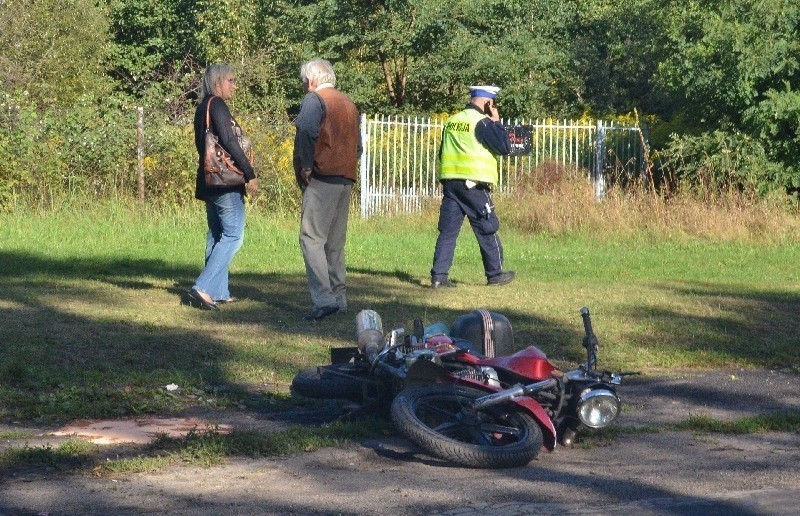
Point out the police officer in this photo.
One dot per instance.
(471, 141)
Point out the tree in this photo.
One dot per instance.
(422, 54)
(736, 66)
(56, 59)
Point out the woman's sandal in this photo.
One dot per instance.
(206, 304)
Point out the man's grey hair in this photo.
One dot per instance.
(318, 70)
(213, 77)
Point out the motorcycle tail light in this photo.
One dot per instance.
(598, 407)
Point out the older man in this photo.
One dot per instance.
(327, 147)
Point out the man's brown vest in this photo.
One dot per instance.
(336, 153)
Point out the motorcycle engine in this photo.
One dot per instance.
(426, 354)
(487, 375)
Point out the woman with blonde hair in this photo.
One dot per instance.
(225, 211)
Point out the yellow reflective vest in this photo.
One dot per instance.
(462, 155)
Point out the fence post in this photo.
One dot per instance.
(647, 177)
(363, 168)
(140, 150)
(599, 161)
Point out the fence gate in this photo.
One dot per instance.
(399, 165)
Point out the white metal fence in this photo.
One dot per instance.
(400, 162)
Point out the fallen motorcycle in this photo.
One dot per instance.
(523, 402)
(449, 393)
(375, 370)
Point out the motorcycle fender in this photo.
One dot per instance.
(536, 410)
(531, 406)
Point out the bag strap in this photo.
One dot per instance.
(208, 115)
(208, 110)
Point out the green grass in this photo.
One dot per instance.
(70, 455)
(773, 422)
(92, 326)
(788, 421)
(761, 423)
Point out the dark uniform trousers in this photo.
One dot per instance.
(476, 204)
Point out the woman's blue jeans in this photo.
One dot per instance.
(225, 214)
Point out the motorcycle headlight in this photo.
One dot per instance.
(598, 407)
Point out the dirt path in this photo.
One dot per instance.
(647, 473)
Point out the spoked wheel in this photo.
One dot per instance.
(439, 419)
(334, 381)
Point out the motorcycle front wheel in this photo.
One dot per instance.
(438, 419)
(333, 381)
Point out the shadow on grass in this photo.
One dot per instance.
(734, 323)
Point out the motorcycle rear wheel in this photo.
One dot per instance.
(328, 382)
(436, 419)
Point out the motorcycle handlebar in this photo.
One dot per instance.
(590, 341)
(587, 321)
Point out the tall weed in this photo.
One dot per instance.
(555, 201)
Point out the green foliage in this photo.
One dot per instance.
(91, 148)
(776, 122)
(700, 67)
(170, 163)
(771, 422)
(717, 162)
(727, 58)
(149, 37)
(422, 55)
(86, 147)
(224, 29)
(162, 47)
(735, 66)
(54, 51)
(607, 55)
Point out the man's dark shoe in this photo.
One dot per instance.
(502, 278)
(321, 313)
(442, 283)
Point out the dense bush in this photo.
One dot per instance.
(718, 162)
(83, 149)
(90, 150)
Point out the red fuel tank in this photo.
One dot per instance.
(531, 363)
